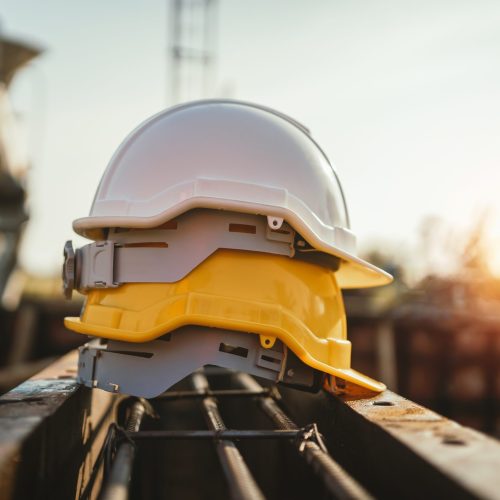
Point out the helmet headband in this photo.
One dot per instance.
(167, 254)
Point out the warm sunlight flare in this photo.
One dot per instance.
(493, 255)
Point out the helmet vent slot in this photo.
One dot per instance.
(149, 244)
(171, 224)
(270, 359)
(242, 228)
(137, 354)
(235, 350)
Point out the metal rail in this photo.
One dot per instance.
(215, 434)
(224, 393)
(395, 447)
(117, 482)
(241, 483)
(336, 480)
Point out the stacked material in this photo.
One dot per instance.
(220, 236)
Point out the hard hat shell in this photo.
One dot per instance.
(235, 156)
(297, 302)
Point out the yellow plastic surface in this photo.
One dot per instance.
(273, 296)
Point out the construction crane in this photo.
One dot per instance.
(191, 30)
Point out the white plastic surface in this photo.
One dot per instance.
(168, 255)
(147, 370)
(234, 156)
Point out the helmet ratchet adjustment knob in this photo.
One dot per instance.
(68, 271)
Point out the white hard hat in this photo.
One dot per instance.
(235, 156)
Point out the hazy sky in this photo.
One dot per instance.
(404, 96)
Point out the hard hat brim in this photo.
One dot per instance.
(76, 325)
(354, 272)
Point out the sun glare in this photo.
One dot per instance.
(492, 236)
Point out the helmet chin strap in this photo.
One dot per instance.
(140, 369)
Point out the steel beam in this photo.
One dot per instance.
(399, 449)
(116, 486)
(51, 430)
(241, 483)
(337, 481)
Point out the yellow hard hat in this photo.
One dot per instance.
(273, 296)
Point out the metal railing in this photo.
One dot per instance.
(241, 483)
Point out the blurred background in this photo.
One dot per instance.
(403, 96)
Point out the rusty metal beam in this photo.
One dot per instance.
(51, 430)
(241, 483)
(117, 483)
(337, 482)
(399, 449)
